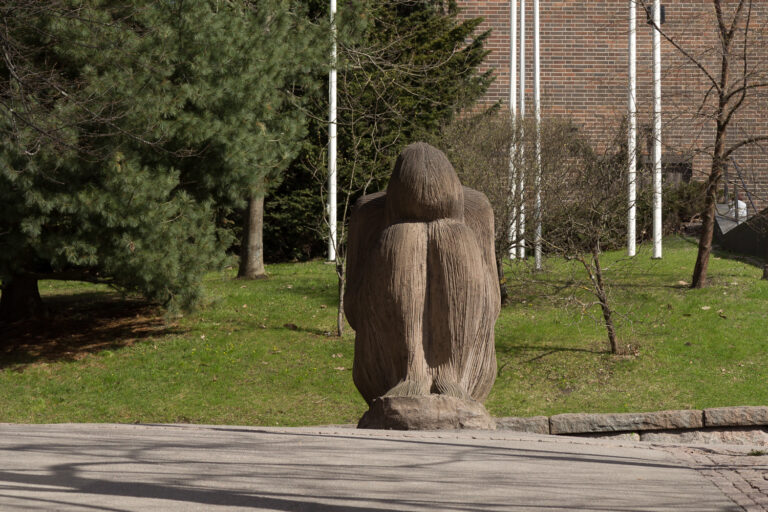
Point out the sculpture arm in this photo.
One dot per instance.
(365, 227)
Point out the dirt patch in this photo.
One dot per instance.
(80, 324)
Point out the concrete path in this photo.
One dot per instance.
(188, 467)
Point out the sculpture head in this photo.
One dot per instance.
(423, 187)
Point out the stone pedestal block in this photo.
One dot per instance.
(426, 412)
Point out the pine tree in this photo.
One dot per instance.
(130, 131)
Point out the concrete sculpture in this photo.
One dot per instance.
(423, 297)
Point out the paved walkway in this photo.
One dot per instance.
(188, 467)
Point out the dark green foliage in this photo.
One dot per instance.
(291, 227)
(129, 131)
(406, 68)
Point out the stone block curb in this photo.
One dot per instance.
(534, 425)
(625, 422)
(735, 416)
(681, 420)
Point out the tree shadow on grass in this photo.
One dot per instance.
(327, 295)
(747, 259)
(320, 333)
(524, 354)
(80, 324)
(537, 291)
(543, 351)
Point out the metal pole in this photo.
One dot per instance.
(521, 174)
(513, 114)
(537, 109)
(657, 130)
(632, 131)
(332, 141)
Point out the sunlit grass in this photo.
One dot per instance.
(261, 353)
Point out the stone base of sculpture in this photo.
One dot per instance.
(426, 412)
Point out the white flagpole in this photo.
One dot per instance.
(537, 109)
(657, 130)
(513, 115)
(632, 130)
(332, 141)
(521, 173)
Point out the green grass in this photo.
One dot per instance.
(259, 352)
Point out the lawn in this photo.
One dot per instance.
(262, 352)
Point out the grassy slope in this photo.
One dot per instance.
(696, 348)
(258, 353)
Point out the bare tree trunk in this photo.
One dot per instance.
(502, 280)
(20, 299)
(252, 246)
(595, 274)
(602, 296)
(699, 279)
(342, 283)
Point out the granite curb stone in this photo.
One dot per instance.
(625, 422)
(735, 416)
(533, 425)
(714, 422)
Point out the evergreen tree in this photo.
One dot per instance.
(130, 131)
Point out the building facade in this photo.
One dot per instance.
(584, 76)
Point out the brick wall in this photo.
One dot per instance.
(584, 61)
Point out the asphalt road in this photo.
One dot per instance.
(190, 467)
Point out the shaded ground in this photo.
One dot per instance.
(191, 468)
(80, 324)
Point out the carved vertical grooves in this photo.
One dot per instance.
(422, 293)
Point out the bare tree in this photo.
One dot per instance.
(479, 147)
(736, 75)
(583, 195)
(586, 213)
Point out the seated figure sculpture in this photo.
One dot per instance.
(422, 292)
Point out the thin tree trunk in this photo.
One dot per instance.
(342, 283)
(699, 279)
(502, 280)
(602, 296)
(20, 299)
(252, 246)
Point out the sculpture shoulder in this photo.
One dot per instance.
(370, 203)
(476, 204)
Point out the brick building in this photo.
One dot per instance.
(584, 63)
